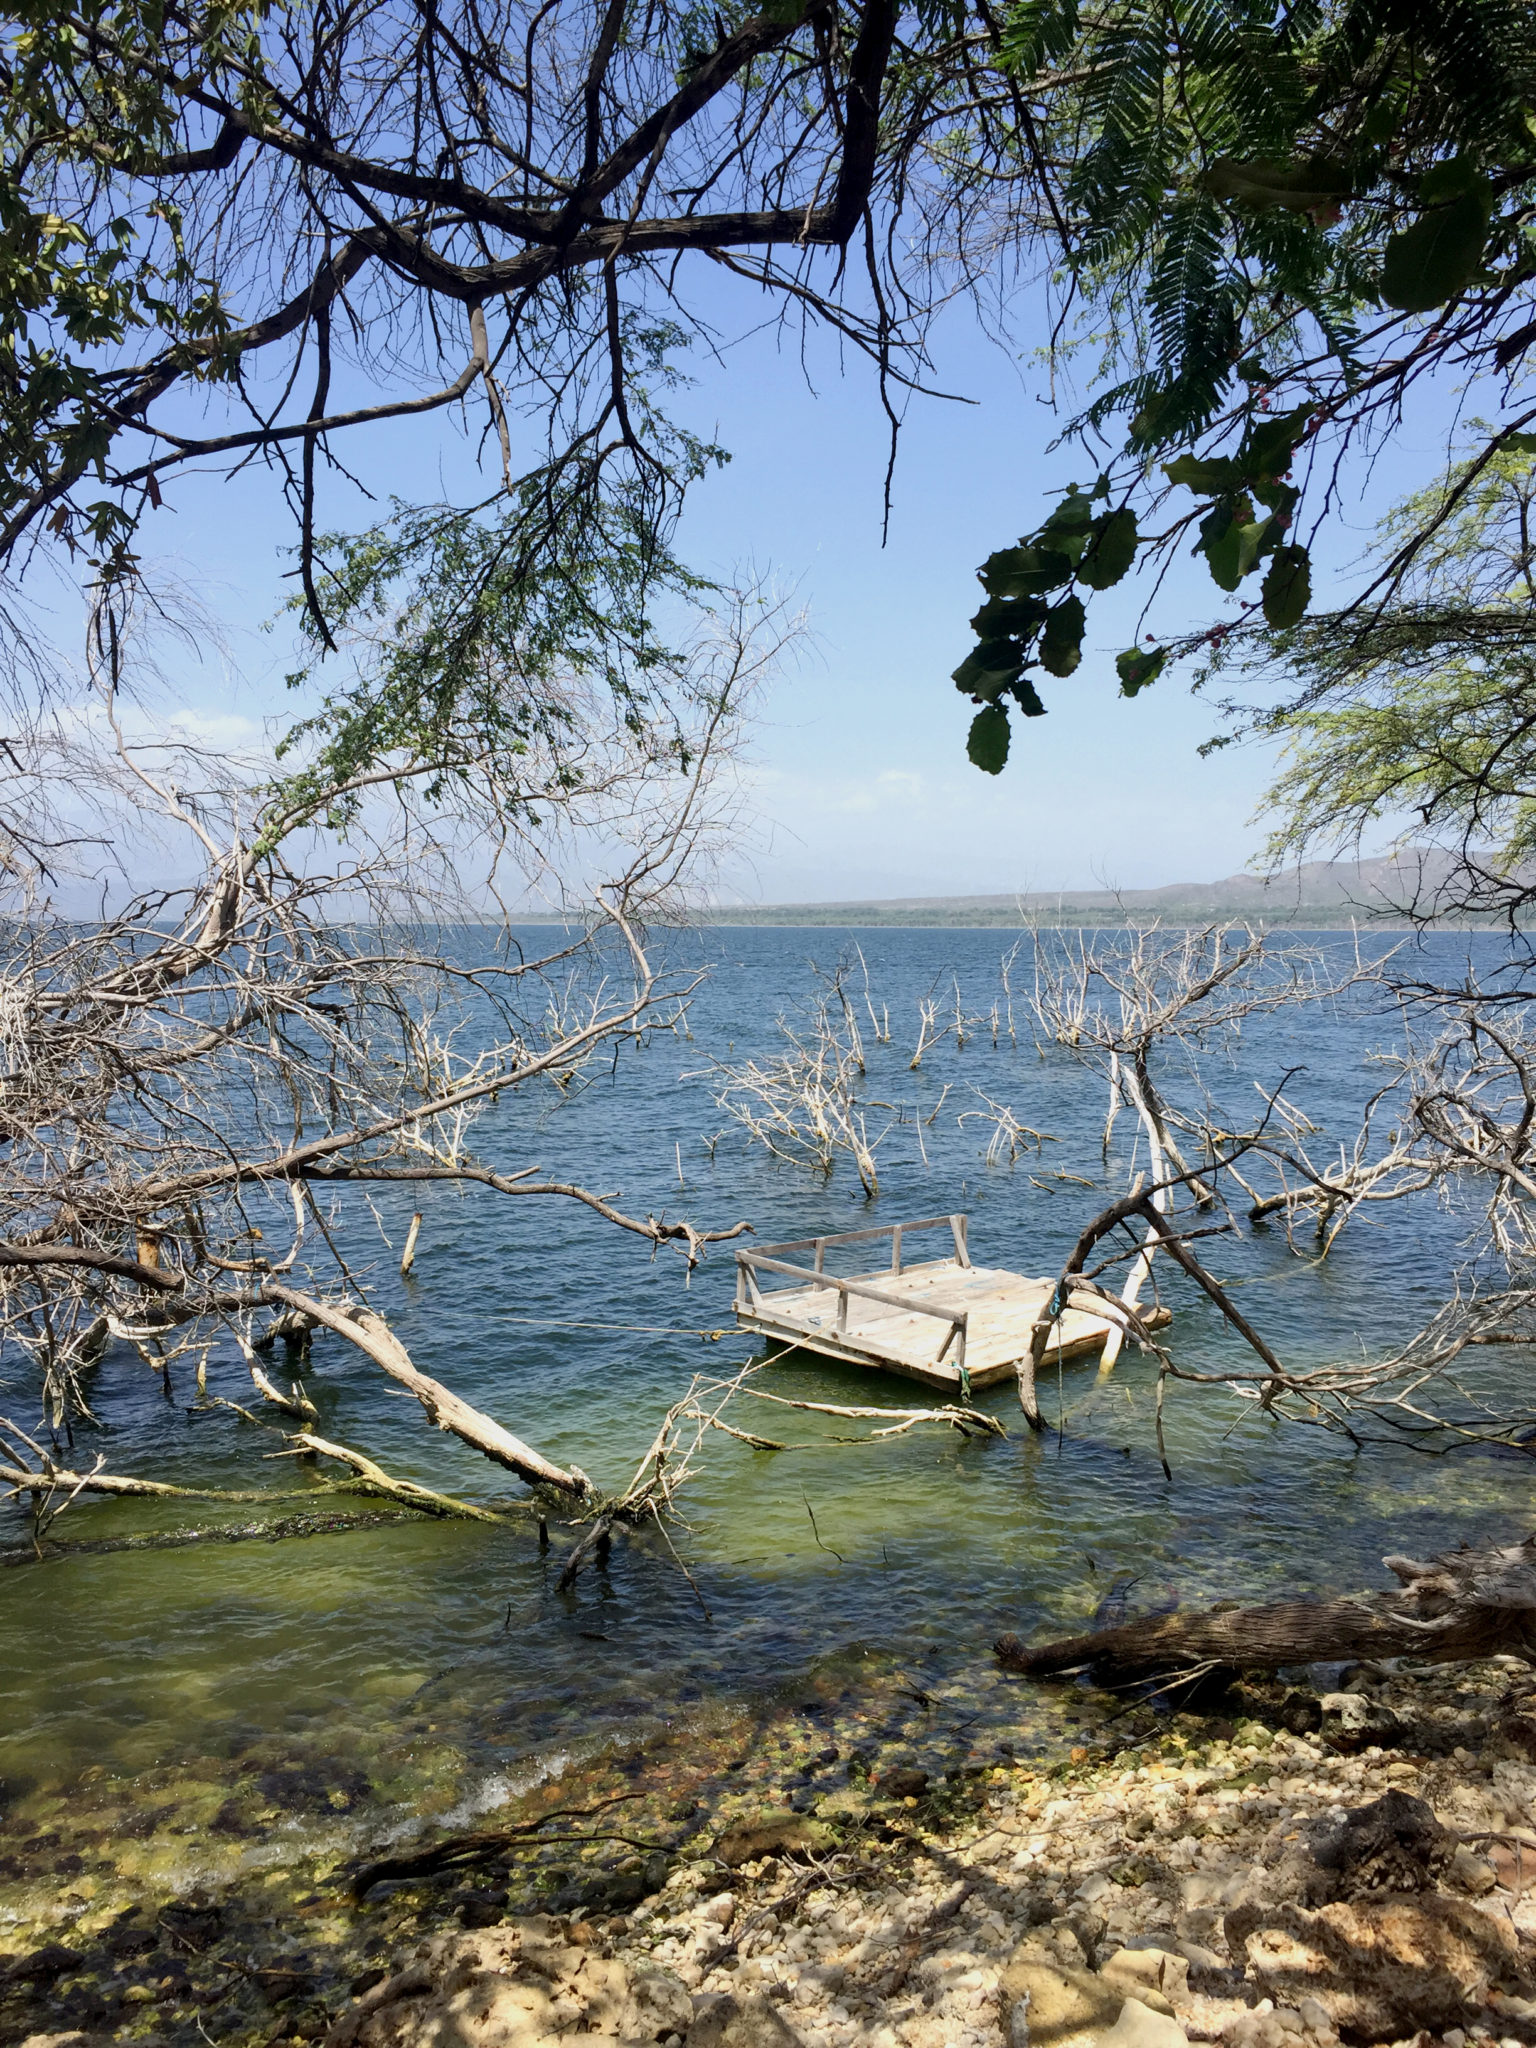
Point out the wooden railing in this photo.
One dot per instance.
(766, 1259)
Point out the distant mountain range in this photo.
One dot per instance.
(1317, 894)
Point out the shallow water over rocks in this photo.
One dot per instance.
(177, 1720)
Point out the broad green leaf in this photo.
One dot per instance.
(1138, 667)
(1439, 256)
(1061, 644)
(1112, 550)
(1233, 550)
(1267, 537)
(987, 745)
(1287, 587)
(1064, 540)
(1454, 179)
(1024, 571)
(1203, 473)
(1280, 498)
(1270, 444)
(1008, 617)
(1027, 697)
(1075, 510)
(989, 670)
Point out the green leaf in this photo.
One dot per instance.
(1232, 550)
(1112, 550)
(1287, 587)
(1138, 667)
(1454, 179)
(1521, 444)
(987, 744)
(1024, 571)
(1280, 498)
(988, 670)
(1383, 121)
(1074, 511)
(1270, 444)
(1203, 473)
(1061, 644)
(1008, 617)
(1027, 697)
(1439, 256)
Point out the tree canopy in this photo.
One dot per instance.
(243, 234)
(1281, 225)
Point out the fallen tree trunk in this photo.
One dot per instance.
(372, 1335)
(278, 1530)
(56, 1480)
(1476, 1602)
(372, 1478)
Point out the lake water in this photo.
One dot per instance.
(429, 1668)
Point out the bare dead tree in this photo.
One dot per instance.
(191, 1079)
(1010, 1138)
(807, 1106)
(1150, 1009)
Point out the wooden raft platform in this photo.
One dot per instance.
(943, 1321)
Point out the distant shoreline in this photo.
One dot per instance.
(1328, 895)
(859, 918)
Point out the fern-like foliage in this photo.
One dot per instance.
(1259, 204)
(1233, 171)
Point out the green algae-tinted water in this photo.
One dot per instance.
(170, 1717)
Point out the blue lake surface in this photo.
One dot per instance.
(907, 1555)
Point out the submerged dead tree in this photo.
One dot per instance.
(204, 1087)
(1150, 1009)
(1476, 1602)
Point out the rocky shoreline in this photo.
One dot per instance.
(1302, 1868)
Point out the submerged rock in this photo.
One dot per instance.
(42, 1966)
(773, 1832)
(904, 1782)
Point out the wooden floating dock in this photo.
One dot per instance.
(942, 1321)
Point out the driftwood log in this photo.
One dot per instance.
(1476, 1602)
(372, 1336)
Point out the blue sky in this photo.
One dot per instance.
(858, 771)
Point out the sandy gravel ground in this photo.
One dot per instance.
(1190, 1889)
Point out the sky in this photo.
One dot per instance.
(857, 778)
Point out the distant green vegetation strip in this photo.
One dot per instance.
(1067, 915)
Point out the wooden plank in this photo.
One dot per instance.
(830, 1283)
(851, 1352)
(805, 1244)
